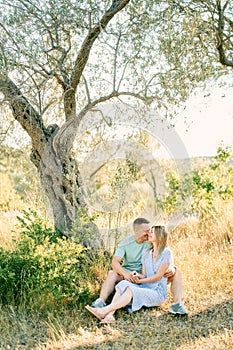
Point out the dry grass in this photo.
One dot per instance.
(207, 279)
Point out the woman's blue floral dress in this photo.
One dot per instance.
(148, 294)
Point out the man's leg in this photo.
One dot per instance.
(107, 288)
(176, 286)
(109, 284)
(176, 289)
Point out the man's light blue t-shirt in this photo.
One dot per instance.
(131, 253)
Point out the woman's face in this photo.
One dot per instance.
(152, 235)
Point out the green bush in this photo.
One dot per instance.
(203, 186)
(43, 268)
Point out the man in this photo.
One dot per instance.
(127, 260)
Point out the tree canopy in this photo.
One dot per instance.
(59, 59)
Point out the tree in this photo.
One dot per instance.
(41, 50)
(213, 29)
(61, 59)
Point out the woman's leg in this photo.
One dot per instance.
(109, 317)
(119, 300)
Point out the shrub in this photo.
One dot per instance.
(43, 268)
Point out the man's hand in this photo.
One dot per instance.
(136, 277)
(170, 272)
(131, 276)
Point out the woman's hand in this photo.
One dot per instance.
(137, 280)
(137, 277)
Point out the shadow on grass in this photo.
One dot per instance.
(146, 330)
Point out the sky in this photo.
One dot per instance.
(209, 122)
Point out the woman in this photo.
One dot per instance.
(150, 288)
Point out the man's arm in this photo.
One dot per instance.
(117, 267)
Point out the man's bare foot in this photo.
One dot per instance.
(96, 311)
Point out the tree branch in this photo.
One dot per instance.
(115, 61)
(87, 89)
(220, 32)
(83, 55)
(76, 119)
(24, 113)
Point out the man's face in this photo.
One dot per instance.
(141, 232)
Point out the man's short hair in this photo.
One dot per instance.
(140, 221)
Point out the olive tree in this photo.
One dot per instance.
(212, 30)
(60, 59)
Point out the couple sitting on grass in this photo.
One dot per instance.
(141, 266)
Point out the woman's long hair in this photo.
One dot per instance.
(161, 235)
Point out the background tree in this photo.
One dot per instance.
(60, 59)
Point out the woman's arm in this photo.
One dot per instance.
(143, 279)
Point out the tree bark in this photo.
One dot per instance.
(62, 184)
(58, 172)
